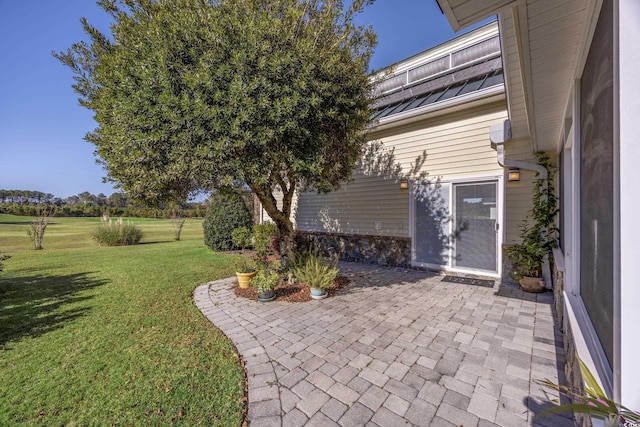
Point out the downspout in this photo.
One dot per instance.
(499, 134)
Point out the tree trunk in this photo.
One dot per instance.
(282, 219)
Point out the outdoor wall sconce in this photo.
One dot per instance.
(514, 175)
(404, 184)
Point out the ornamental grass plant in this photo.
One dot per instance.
(313, 270)
(117, 233)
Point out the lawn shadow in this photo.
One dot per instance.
(155, 242)
(31, 306)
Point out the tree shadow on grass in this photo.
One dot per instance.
(154, 242)
(34, 305)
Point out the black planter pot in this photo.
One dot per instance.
(266, 295)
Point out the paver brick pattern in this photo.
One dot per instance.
(395, 347)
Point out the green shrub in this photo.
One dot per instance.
(315, 272)
(265, 236)
(266, 280)
(117, 233)
(226, 213)
(242, 237)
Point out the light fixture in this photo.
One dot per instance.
(404, 184)
(514, 175)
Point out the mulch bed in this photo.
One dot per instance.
(291, 293)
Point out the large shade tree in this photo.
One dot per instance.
(201, 94)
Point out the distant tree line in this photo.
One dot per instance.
(85, 204)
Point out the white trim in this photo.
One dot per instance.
(575, 193)
(521, 29)
(500, 193)
(626, 56)
(617, 238)
(505, 64)
(586, 341)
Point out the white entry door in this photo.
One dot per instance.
(475, 222)
(456, 226)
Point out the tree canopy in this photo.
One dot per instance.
(212, 94)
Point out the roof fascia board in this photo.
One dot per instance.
(458, 24)
(521, 26)
(440, 108)
(445, 7)
(505, 66)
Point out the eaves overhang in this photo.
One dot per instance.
(462, 13)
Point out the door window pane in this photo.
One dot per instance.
(475, 226)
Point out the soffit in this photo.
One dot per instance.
(543, 43)
(462, 13)
(555, 33)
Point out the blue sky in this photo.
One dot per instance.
(41, 124)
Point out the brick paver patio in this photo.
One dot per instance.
(395, 348)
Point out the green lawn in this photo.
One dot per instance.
(94, 335)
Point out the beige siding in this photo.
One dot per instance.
(357, 208)
(457, 146)
(518, 194)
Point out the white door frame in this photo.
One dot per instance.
(477, 179)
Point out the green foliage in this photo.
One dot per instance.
(593, 402)
(117, 233)
(538, 232)
(226, 212)
(264, 236)
(94, 335)
(266, 279)
(195, 94)
(315, 271)
(242, 237)
(244, 266)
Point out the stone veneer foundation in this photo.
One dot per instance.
(367, 249)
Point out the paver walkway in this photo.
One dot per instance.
(395, 348)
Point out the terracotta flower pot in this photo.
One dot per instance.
(244, 279)
(532, 284)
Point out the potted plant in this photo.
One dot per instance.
(266, 281)
(316, 273)
(539, 235)
(244, 272)
(527, 259)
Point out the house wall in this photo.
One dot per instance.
(457, 146)
(519, 194)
